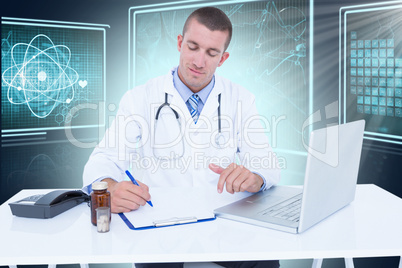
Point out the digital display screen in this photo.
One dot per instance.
(269, 55)
(50, 73)
(373, 72)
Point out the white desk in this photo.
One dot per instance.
(370, 226)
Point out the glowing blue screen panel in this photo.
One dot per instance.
(268, 56)
(373, 73)
(50, 73)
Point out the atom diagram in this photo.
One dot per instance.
(40, 75)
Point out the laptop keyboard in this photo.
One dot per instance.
(287, 210)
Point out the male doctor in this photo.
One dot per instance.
(190, 127)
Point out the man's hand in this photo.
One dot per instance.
(125, 196)
(237, 179)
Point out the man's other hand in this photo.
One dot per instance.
(237, 179)
(125, 196)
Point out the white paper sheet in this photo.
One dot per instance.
(180, 203)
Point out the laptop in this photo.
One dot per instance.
(330, 183)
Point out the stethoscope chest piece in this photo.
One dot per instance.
(220, 140)
(165, 152)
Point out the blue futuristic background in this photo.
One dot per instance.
(374, 70)
(275, 67)
(269, 43)
(46, 72)
(41, 78)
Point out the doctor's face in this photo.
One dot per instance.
(201, 52)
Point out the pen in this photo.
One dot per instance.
(136, 183)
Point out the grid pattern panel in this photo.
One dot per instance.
(376, 76)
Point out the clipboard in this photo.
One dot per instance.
(164, 223)
(178, 206)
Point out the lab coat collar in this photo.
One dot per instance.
(210, 107)
(174, 98)
(171, 90)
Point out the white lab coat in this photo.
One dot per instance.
(128, 143)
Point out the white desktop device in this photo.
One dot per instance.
(329, 185)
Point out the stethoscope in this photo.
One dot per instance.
(219, 139)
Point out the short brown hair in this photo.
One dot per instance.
(214, 19)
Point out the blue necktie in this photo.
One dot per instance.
(193, 101)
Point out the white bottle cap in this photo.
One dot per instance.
(100, 185)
